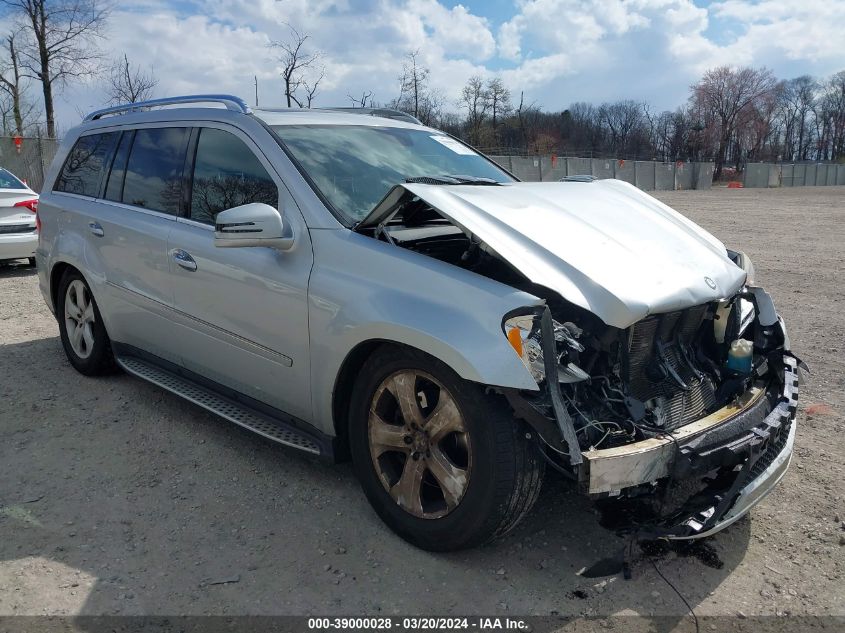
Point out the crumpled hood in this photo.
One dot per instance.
(604, 245)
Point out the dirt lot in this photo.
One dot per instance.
(119, 498)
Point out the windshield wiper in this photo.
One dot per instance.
(452, 179)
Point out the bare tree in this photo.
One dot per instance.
(312, 86)
(500, 104)
(10, 84)
(361, 102)
(61, 42)
(622, 119)
(475, 100)
(834, 98)
(415, 95)
(296, 60)
(413, 83)
(724, 93)
(126, 84)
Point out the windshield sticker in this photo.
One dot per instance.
(452, 144)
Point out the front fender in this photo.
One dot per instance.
(364, 290)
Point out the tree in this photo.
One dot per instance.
(366, 97)
(723, 93)
(475, 100)
(415, 95)
(800, 96)
(311, 87)
(500, 104)
(10, 84)
(622, 120)
(296, 62)
(413, 83)
(61, 42)
(834, 99)
(126, 84)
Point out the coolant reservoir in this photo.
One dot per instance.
(740, 355)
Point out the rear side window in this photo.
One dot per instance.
(9, 181)
(154, 169)
(83, 168)
(227, 174)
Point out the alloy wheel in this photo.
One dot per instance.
(79, 318)
(419, 444)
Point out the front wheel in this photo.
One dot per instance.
(444, 464)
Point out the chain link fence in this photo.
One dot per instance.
(28, 160)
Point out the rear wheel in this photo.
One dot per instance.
(32, 261)
(83, 334)
(445, 465)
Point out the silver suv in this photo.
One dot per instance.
(358, 285)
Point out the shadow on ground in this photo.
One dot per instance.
(119, 498)
(15, 269)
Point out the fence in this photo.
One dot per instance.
(30, 160)
(647, 175)
(795, 175)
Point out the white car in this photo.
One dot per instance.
(18, 230)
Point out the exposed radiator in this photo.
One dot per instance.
(659, 346)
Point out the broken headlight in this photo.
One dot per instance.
(525, 337)
(744, 261)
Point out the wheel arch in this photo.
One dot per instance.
(56, 273)
(342, 392)
(355, 359)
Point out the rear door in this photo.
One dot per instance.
(127, 226)
(243, 311)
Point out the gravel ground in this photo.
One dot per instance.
(119, 498)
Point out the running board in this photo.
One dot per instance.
(239, 413)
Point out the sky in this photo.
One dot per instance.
(555, 51)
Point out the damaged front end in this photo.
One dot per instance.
(672, 438)
(666, 385)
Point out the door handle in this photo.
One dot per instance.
(184, 259)
(96, 229)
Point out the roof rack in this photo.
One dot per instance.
(236, 104)
(388, 113)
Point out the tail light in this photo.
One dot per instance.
(32, 205)
(37, 222)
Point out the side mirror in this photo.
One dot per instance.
(254, 224)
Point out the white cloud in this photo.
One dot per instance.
(558, 51)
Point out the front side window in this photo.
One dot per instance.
(154, 170)
(227, 174)
(354, 166)
(10, 181)
(83, 167)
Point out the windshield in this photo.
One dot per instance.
(9, 181)
(354, 166)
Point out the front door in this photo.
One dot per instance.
(242, 312)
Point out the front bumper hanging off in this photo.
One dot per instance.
(752, 438)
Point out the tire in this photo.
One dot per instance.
(494, 468)
(32, 262)
(91, 353)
